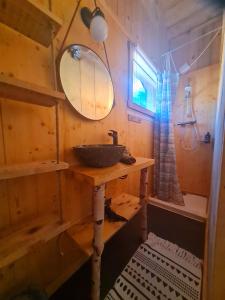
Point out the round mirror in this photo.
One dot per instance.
(86, 82)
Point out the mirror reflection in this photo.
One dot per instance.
(86, 82)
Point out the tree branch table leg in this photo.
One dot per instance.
(98, 243)
(143, 195)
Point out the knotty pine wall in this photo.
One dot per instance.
(27, 132)
(192, 51)
(194, 166)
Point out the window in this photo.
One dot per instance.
(142, 82)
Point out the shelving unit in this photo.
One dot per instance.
(20, 242)
(14, 89)
(27, 169)
(30, 19)
(91, 234)
(125, 205)
(36, 22)
(69, 266)
(39, 24)
(81, 236)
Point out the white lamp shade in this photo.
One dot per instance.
(99, 29)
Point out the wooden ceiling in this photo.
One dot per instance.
(182, 16)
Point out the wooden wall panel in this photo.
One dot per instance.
(140, 19)
(20, 192)
(189, 53)
(24, 58)
(2, 149)
(194, 166)
(218, 250)
(139, 146)
(46, 191)
(5, 210)
(30, 130)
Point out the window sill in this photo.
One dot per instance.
(141, 111)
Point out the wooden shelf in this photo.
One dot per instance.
(14, 89)
(27, 169)
(19, 243)
(98, 176)
(70, 262)
(125, 205)
(191, 210)
(30, 19)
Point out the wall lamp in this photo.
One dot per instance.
(95, 21)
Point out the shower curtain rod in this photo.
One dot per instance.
(192, 41)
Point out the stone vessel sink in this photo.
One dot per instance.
(99, 155)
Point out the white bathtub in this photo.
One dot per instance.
(195, 206)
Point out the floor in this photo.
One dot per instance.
(186, 232)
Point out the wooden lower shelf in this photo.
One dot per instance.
(72, 259)
(19, 243)
(125, 205)
(196, 210)
(27, 169)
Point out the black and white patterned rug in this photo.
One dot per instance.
(159, 270)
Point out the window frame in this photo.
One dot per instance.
(132, 48)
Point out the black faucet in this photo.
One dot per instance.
(114, 135)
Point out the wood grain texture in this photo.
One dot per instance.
(19, 243)
(216, 265)
(29, 135)
(31, 19)
(213, 283)
(189, 53)
(33, 168)
(183, 16)
(29, 132)
(98, 176)
(143, 203)
(194, 166)
(2, 148)
(5, 209)
(125, 205)
(14, 89)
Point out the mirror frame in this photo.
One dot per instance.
(61, 86)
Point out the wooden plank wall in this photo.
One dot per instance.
(27, 132)
(194, 166)
(189, 53)
(185, 22)
(216, 287)
(216, 242)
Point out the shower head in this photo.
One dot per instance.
(188, 88)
